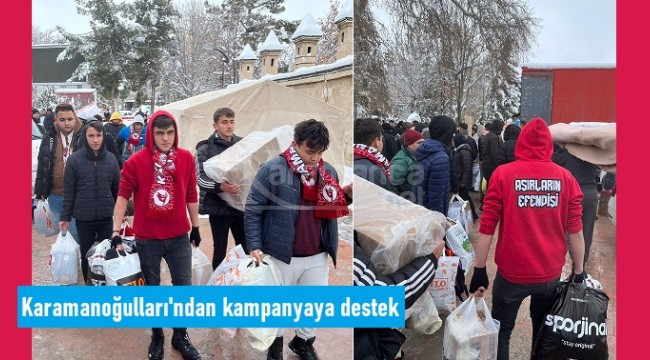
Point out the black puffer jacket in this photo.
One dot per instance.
(462, 157)
(210, 202)
(506, 152)
(90, 183)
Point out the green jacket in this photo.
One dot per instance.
(403, 169)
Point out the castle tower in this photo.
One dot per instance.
(270, 52)
(247, 60)
(344, 22)
(306, 40)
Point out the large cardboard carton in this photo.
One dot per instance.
(392, 230)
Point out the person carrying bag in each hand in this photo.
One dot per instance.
(529, 254)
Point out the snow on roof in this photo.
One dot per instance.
(247, 54)
(346, 11)
(307, 28)
(346, 61)
(69, 91)
(569, 66)
(271, 43)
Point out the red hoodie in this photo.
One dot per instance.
(537, 202)
(137, 179)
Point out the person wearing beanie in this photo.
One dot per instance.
(492, 143)
(115, 125)
(506, 152)
(433, 182)
(36, 118)
(462, 163)
(162, 180)
(403, 165)
(535, 202)
(132, 139)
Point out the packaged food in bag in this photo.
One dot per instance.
(470, 332)
(460, 211)
(64, 259)
(45, 224)
(96, 256)
(425, 319)
(405, 230)
(442, 287)
(201, 267)
(228, 273)
(576, 326)
(123, 269)
(460, 244)
(260, 274)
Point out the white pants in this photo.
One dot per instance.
(310, 270)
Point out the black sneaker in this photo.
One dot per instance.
(181, 342)
(157, 346)
(304, 348)
(275, 350)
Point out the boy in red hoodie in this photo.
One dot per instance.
(535, 202)
(162, 180)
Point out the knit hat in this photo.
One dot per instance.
(411, 136)
(117, 116)
(98, 117)
(34, 111)
(138, 119)
(442, 128)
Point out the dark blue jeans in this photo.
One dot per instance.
(506, 299)
(177, 252)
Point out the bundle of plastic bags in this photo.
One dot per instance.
(45, 224)
(459, 242)
(442, 287)
(470, 332)
(96, 256)
(123, 269)
(201, 267)
(228, 273)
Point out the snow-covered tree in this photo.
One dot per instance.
(47, 36)
(370, 79)
(328, 44)
(45, 99)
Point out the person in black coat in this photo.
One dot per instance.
(383, 343)
(462, 164)
(223, 217)
(492, 143)
(506, 152)
(90, 184)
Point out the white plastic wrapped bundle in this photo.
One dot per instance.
(239, 163)
(392, 230)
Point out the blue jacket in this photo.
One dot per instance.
(431, 189)
(272, 209)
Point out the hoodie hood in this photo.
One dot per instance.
(511, 132)
(116, 116)
(535, 142)
(442, 128)
(86, 146)
(149, 141)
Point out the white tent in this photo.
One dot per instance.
(261, 106)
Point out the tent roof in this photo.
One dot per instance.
(261, 105)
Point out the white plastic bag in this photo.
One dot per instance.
(96, 256)
(460, 211)
(470, 332)
(227, 273)
(45, 224)
(442, 287)
(253, 274)
(461, 246)
(64, 259)
(425, 320)
(201, 267)
(124, 270)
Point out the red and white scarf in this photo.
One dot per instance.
(134, 140)
(373, 155)
(161, 196)
(66, 141)
(329, 197)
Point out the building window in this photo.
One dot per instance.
(298, 50)
(272, 62)
(342, 37)
(264, 62)
(308, 50)
(248, 68)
